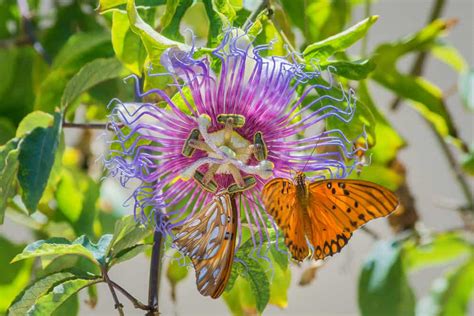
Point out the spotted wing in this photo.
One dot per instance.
(208, 238)
(338, 207)
(280, 201)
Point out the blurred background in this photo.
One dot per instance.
(334, 289)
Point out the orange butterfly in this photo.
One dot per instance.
(208, 238)
(323, 213)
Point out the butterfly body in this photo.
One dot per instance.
(318, 218)
(208, 238)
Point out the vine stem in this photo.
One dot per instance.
(154, 280)
(417, 70)
(118, 306)
(85, 125)
(418, 64)
(26, 19)
(365, 39)
(130, 297)
(263, 6)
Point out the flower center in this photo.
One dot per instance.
(228, 152)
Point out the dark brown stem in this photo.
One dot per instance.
(371, 233)
(118, 306)
(365, 39)
(417, 70)
(29, 28)
(85, 125)
(263, 6)
(419, 63)
(15, 42)
(456, 169)
(154, 281)
(129, 296)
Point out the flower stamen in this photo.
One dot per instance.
(228, 153)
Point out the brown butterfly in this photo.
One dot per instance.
(208, 238)
(323, 213)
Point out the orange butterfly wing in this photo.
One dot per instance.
(208, 238)
(338, 207)
(279, 199)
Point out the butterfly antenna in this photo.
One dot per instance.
(312, 152)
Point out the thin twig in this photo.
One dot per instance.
(15, 42)
(370, 232)
(365, 39)
(118, 306)
(263, 6)
(129, 296)
(419, 63)
(455, 168)
(417, 70)
(84, 125)
(26, 18)
(153, 286)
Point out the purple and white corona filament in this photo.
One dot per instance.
(237, 119)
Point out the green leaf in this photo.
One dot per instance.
(8, 169)
(466, 88)
(7, 130)
(259, 284)
(280, 280)
(55, 247)
(441, 249)
(129, 253)
(91, 74)
(92, 293)
(37, 153)
(176, 272)
(468, 161)
(386, 150)
(80, 49)
(76, 196)
(16, 67)
(363, 118)
(127, 45)
(355, 70)
(449, 55)
(383, 284)
(69, 307)
(98, 250)
(33, 120)
(280, 256)
(48, 303)
(450, 295)
(269, 33)
(69, 196)
(155, 43)
(27, 298)
(339, 42)
(13, 277)
(250, 292)
(239, 299)
(318, 20)
(106, 5)
(127, 234)
(171, 19)
(426, 98)
(380, 174)
(220, 14)
(387, 54)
